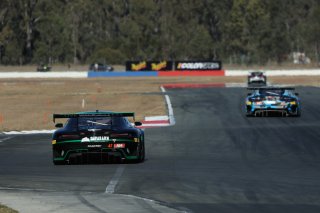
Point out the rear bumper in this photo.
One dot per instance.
(269, 111)
(86, 152)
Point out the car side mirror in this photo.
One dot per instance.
(59, 125)
(297, 94)
(137, 123)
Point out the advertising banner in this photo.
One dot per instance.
(198, 65)
(148, 65)
(160, 65)
(136, 66)
(170, 66)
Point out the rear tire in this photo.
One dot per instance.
(59, 162)
(141, 153)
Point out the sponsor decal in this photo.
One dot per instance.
(159, 66)
(85, 139)
(119, 145)
(140, 66)
(149, 65)
(95, 139)
(94, 146)
(137, 140)
(116, 145)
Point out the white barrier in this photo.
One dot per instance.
(43, 74)
(309, 72)
(75, 74)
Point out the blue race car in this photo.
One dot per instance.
(270, 101)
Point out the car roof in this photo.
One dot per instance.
(254, 72)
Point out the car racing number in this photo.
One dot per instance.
(116, 145)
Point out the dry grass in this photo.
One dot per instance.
(5, 209)
(28, 104)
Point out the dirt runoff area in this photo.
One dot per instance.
(28, 104)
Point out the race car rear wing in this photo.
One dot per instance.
(100, 114)
(270, 88)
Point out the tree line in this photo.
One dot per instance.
(113, 31)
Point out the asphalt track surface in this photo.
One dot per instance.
(214, 159)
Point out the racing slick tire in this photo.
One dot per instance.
(141, 154)
(59, 162)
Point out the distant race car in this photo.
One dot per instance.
(43, 68)
(267, 101)
(99, 67)
(97, 136)
(257, 77)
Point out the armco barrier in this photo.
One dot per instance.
(309, 72)
(74, 74)
(155, 74)
(122, 74)
(43, 74)
(192, 73)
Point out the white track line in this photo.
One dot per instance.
(170, 110)
(115, 179)
(156, 118)
(27, 132)
(4, 139)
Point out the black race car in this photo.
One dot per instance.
(99, 67)
(97, 136)
(43, 68)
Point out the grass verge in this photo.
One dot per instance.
(5, 209)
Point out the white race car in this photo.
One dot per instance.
(257, 77)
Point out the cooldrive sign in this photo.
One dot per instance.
(198, 65)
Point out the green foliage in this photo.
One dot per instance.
(108, 56)
(113, 31)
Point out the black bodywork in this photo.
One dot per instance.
(99, 67)
(91, 137)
